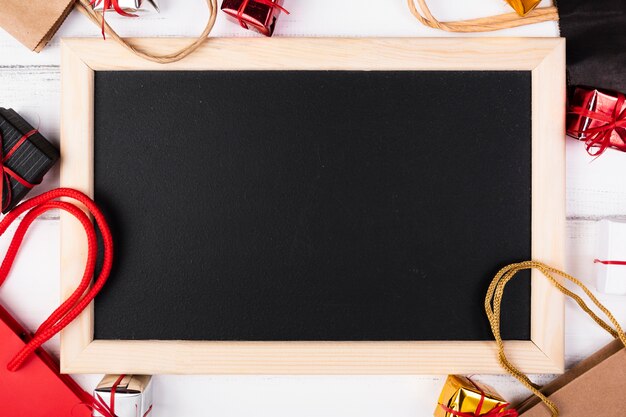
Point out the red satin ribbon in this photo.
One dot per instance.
(107, 410)
(83, 295)
(244, 4)
(598, 261)
(599, 137)
(8, 173)
(107, 6)
(498, 411)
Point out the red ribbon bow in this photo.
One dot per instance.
(8, 173)
(499, 411)
(599, 137)
(271, 3)
(107, 4)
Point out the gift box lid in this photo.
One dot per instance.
(130, 384)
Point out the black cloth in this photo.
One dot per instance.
(596, 42)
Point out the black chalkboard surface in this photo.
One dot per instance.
(312, 205)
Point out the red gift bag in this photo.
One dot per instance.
(30, 382)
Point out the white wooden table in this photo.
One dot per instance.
(30, 84)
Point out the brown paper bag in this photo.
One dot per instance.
(33, 22)
(595, 387)
(592, 389)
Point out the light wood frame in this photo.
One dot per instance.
(543, 57)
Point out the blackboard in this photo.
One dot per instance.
(312, 205)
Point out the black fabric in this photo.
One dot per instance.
(596, 42)
(312, 205)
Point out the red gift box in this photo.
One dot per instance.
(597, 117)
(259, 15)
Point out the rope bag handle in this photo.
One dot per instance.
(483, 24)
(81, 297)
(85, 7)
(493, 304)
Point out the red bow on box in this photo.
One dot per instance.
(107, 6)
(598, 138)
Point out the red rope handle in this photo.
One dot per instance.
(80, 298)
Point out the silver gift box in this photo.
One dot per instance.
(131, 6)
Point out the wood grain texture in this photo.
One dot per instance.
(544, 56)
(326, 54)
(77, 173)
(548, 229)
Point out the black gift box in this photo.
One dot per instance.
(30, 160)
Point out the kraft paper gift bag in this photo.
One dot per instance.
(593, 388)
(33, 22)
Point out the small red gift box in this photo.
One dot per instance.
(599, 118)
(259, 15)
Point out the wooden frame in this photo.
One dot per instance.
(544, 57)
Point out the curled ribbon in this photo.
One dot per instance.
(107, 5)
(599, 137)
(498, 411)
(8, 173)
(271, 3)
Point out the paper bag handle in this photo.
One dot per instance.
(85, 7)
(81, 297)
(483, 24)
(493, 304)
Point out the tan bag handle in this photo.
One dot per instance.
(85, 7)
(493, 302)
(483, 24)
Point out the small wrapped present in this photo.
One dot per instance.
(598, 118)
(25, 157)
(127, 6)
(522, 7)
(123, 396)
(463, 397)
(259, 15)
(610, 263)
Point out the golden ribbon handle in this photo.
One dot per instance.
(483, 24)
(493, 304)
(85, 7)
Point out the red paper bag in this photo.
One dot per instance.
(30, 382)
(37, 389)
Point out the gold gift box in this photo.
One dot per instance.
(461, 394)
(522, 7)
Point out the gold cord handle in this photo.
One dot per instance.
(483, 24)
(493, 304)
(85, 7)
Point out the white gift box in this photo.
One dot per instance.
(133, 395)
(131, 6)
(610, 262)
